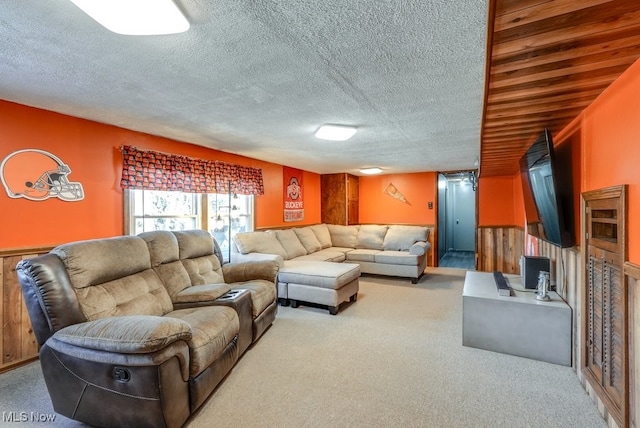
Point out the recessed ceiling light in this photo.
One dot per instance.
(335, 132)
(136, 17)
(371, 171)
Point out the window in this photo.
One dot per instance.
(159, 210)
(223, 215)
(228, 215)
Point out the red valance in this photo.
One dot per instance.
(149, 170)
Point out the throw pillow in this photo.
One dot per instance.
(401, 238)
(343, 236)
(308, 239)
(290, 242)
(371, 236)
(259, 242)
(322, 233)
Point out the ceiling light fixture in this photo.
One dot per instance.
(371, 171)
(136, 17)
(335, 132)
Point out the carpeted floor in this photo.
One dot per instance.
(393, 358)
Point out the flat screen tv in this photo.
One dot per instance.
(547, 190)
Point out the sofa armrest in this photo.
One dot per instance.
(256, 257)
(137, 334)
(248, 271)
(420, 248)
(199, 294)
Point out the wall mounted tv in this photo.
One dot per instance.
(547, 190)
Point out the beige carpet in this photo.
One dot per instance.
(393, 358)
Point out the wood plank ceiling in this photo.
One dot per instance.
(548, 61)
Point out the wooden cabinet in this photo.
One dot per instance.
(605, 355)
(339, 198)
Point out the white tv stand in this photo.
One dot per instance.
(517, 325)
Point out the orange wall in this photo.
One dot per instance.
(91, 151)
(519, 215)
(378, 207)
(498, 198)
(611, 147)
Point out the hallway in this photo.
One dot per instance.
(458, 259)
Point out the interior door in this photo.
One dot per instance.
(464, 216)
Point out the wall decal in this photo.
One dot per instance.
(293, 201)
(393, 191)
(38, 175)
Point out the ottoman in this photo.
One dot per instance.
(321, 283)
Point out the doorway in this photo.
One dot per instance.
(457, 219)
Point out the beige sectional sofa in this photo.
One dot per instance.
(395, 250)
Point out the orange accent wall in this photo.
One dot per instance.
(378, 207)
(519, 216)
(92, 152)
(611, 147)
(497, 201)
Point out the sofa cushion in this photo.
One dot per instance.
(113, 277)
(362, 255)
(165, 260)
(308, 239)
(194, 243)
(322, 233)
(401, 238)
(163, 246)
(201, 293)
(212, 329)
(204, 270)
(371, 236)
(290, 242)
(327, 255)
(101, 260)
(259, 242)
(319, 274)
(343, 236)
(197, 255)
(397, 258)
(317, 256)
(174, 277)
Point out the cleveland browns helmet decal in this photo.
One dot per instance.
(38, 175)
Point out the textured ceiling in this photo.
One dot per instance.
(257, 78)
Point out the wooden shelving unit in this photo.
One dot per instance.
(605, 357)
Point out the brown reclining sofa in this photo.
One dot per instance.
(139, 330)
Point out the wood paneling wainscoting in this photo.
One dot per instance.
(632, 279)
(567, 269)
(566, 275)
(17, 341)
(632, 276)
(499, 248)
